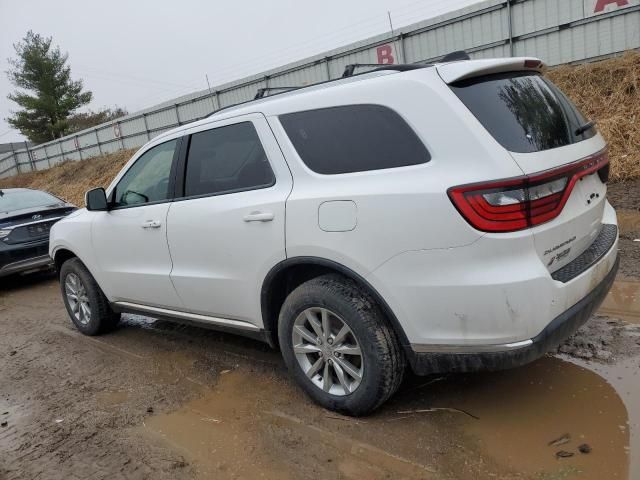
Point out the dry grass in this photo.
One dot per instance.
(606, 91)
(609, 92)
(70, 179)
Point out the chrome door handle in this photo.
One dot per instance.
(151, 224)
(259, 217)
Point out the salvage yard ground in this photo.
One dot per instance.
(159, 401)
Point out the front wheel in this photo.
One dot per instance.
(86, 304)
(339, 346)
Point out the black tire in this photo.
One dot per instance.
(382, 358)
(102, 318)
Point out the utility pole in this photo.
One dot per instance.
(393, 42)
(213, 107)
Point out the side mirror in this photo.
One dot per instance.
(96, 200)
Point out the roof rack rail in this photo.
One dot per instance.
(455, 56)
(261, 91)
(402, 67)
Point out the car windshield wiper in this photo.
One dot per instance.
(583, 128)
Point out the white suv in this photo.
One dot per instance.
(449, 216)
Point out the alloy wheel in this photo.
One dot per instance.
(328, 351)
(78, 298)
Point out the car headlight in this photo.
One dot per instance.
(4, 232)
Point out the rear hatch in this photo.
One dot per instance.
(562, 157)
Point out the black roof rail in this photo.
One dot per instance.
(455, 56)
(261, 91)
(349, 70)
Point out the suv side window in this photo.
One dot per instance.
(225, 160)
(353, 138)
(147, 180)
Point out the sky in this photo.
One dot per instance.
(138, 53)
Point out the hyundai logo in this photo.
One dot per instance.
(37, 217)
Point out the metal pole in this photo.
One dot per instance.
(210, 95)
(510, 28)
(120, 132)
(26, 145)
(393, 42)
(98, 141)
(177, 114)
(15, 158)
(146, 126)
(402, 51)
(326, 64)
(78, 147)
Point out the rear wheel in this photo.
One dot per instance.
(339, 346)
(86, 305)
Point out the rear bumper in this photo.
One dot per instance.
(23, 257)
(519, 353)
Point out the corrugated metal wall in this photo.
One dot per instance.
(557, 31)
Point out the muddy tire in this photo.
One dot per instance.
(86, 305)
(339, 346)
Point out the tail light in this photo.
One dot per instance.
(523, 202)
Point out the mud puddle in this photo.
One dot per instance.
(623, 301)
(490, 425)
(625, 377)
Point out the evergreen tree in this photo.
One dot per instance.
(47, 94)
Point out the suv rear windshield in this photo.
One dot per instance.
(13, 200)
(525, 112)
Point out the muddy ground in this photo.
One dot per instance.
(159, 401)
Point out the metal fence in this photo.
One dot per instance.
(558, 31)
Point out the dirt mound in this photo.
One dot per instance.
(71, 179)
(609, 92)
(606, 91)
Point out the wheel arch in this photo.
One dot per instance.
(288, 274)
(61, 255)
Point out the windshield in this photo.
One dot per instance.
(12, 200)
(524, 112)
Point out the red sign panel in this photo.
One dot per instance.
(385, 55)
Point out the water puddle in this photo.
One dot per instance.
(520, 412)
(625, 377)
(623, 301)
(258, 425)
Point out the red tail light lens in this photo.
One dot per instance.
(523, 202)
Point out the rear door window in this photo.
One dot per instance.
(225, 160)
(353, 138)
(524, 112)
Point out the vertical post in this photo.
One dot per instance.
(216, 97)
(326, 64)
(15, 158)
(61, 152)
(146, 126)
(120, 136)
(509, 15)
(402, 51)
(177, 114)
(78, 147)
(26, 145)
(98, 141)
